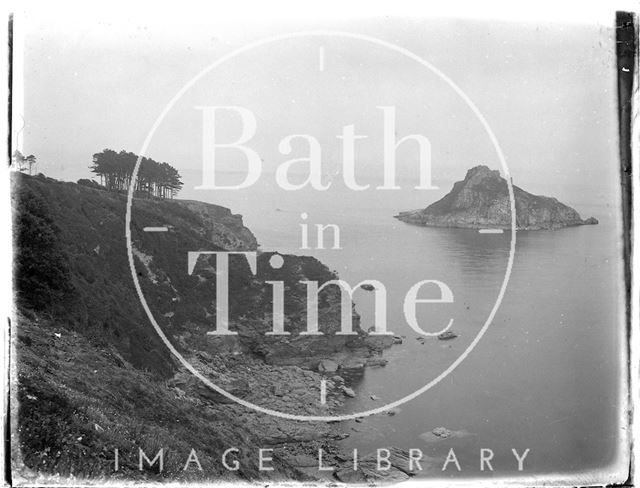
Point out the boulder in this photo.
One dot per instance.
(398, 458)
(373, 362)
(348, 392)
(303, 461)
(367, 469)
(378, 342)
(441, 432)
(368, 473)
(445, 336)
(327, 366)
(353, 367)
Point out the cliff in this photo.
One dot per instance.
(481, 200)
(80, 275)
(91, 375)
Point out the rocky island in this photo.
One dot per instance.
(481, 201)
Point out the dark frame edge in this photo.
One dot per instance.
(627, 71)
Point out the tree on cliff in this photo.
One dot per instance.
(20, 162)
(31, 162)
(155, 179)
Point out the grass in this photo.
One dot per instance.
(90, 375)
(79, 404)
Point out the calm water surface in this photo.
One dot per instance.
(545, 375)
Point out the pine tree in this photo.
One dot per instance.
(115, 170)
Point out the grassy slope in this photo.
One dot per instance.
(77, 402)
(91, 376)
(99, 298)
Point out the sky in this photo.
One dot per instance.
(546, 89)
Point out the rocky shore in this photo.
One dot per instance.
(481, 201)
(79, 402)
(92, 376)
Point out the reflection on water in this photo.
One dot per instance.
(545, 375)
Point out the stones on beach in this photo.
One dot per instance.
(377, 343)
(327, 366)
(303, 461)
(353, 367)
(377, 362)
(348, 392)
(368, 473)
(399, 469)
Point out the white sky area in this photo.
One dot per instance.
(547, 89)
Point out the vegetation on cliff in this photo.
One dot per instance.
(42, 278)
(20, 162)
(90, 374)
(115, 170)
(80, 253)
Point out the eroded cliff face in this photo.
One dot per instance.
(91, 375)
(221, 227)
(100, 301)
(481, 200)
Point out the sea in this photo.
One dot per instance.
(548, 373)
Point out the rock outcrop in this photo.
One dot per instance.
(481, 201)
(92, 375)
(400, 468)
(86, 252)
(221, 227)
